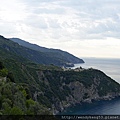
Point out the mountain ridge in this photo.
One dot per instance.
(56, 53)
(39, 57)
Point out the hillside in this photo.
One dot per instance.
(52, 87)
(57, 89)
(14, 49)
(55, 53)
(15, 98)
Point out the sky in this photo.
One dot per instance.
(85, 28)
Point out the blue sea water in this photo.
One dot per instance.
(111, 67)
(108, 107)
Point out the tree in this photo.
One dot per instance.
(1, 65)
(3, 72)
(11, 77)
(16, 111)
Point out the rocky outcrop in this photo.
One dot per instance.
(80, 94)
(3, 79)
(67, 88)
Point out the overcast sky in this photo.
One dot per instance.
(85, 28)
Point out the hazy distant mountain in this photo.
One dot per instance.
(29, 45)
(54, 53)
(14, 50)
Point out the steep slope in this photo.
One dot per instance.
(14, 49)
(66, 88)
(57, 89)
(58, 54)
(15, 98)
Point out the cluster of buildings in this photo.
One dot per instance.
(78, 69)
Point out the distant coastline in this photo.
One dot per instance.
(108, 65)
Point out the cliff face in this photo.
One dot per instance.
(70, 87)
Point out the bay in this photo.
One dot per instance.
(111, 67)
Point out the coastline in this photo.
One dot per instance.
(108, 66)
(104, 98)
(76, 107)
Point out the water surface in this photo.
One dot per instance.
(111, 67)
(108, 107)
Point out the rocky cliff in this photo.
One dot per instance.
(66, 88)
(57, 88)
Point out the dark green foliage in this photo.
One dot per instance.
(1, 65)
(50, 83)
(44, 100)
(108, 86)
(14, 101)
(3, 72)
(49, 80)
(67, 90)
(12, 111)
(52, 53)
(86, 77)
(11, 76)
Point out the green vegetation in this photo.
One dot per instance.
(3, 72)
(56, 54)
(15, 99)
(29, 82)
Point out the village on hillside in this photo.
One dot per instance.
(78, 69)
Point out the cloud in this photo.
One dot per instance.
(43, 10)
(7, 28)
(36, 22)
(80, 19)
(96, 18)
(58, 22)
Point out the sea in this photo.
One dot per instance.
(110, 67)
